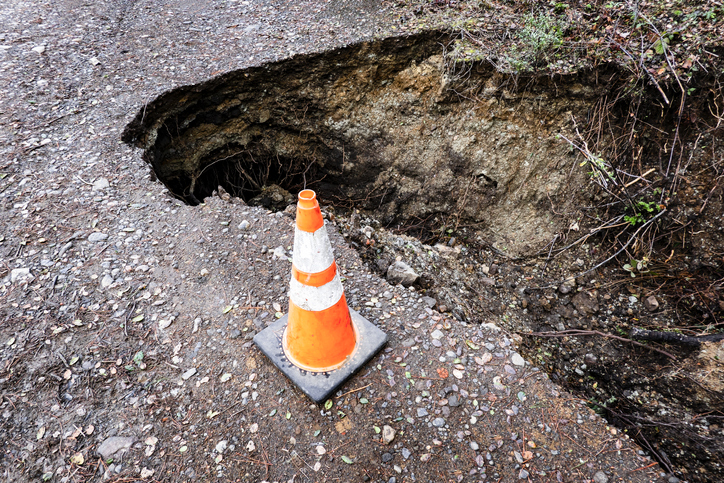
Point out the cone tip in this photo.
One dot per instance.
(307, 199)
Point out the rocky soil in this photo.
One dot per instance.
(126, 316)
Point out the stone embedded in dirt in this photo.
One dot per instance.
(651, 304)
(388, 434)
(586, 303)
(39, 49)
(516, 359)
(429, 301)
(188, 374)
(244, 225)
(600, 477)
(221, 446)
(20, 275)
(567, 286)
(438, 422)
(97, 237)
(279, 253)
(401, 273)
(114, 446)
(106, 281)
(100, 184)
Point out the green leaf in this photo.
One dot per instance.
(363, 400)
(227, 309)
(137, 318)
(340, 414)
(138, 358)
(273, 412)
(472, 345)
(289, 415)
(328, 404)
(317, 432)
(659, 46)
(377, 429)
(73, 360)
(347, 460)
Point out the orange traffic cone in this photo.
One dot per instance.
(320, 334)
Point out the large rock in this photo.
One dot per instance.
(400, 272)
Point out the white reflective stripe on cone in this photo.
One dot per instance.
(312, 251)
(315, 299)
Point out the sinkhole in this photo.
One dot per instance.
(420, 143)
(386, 126)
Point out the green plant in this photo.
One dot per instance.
(634, 266)
(540, 37)
(641, 208)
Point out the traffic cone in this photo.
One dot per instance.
(320, 342)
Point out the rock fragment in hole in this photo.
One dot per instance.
(401, 273)
(651, 304)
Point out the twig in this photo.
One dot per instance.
(639, 178)
(355, 390)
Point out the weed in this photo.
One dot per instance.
(540, 37)
(634, 266)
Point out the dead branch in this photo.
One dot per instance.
(673, 338)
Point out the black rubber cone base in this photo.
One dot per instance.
(319, 386)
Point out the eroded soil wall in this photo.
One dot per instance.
(379, 126)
